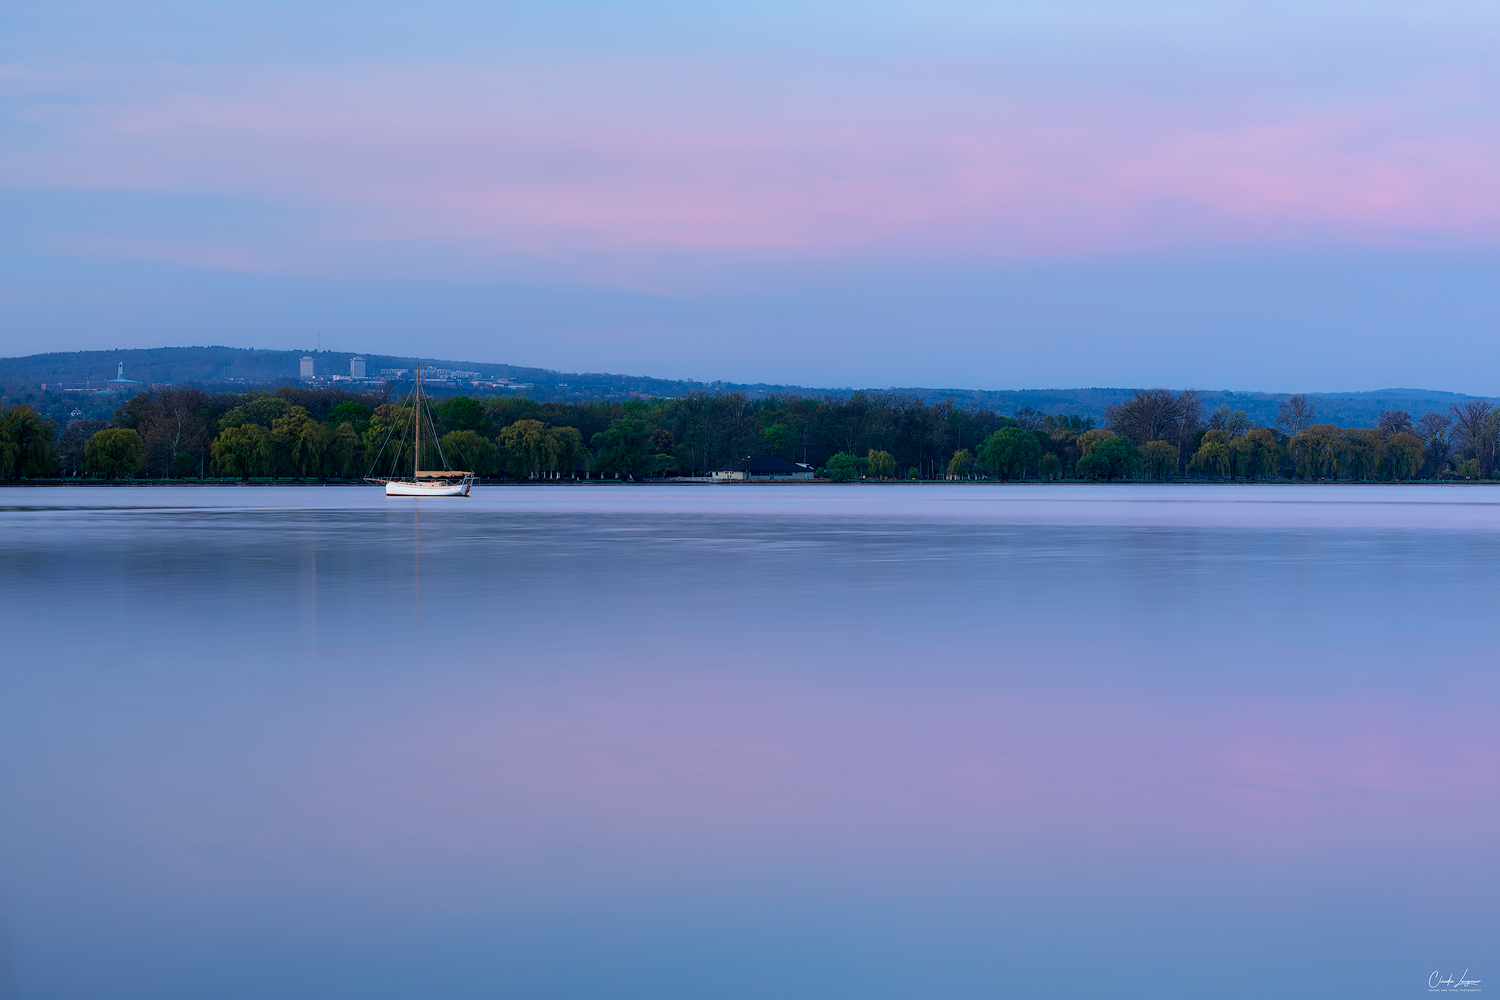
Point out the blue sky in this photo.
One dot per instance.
(1226, 195)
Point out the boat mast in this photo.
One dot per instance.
(416, 444)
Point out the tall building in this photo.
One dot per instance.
(307, 368)
(120, 379)
(356, 367)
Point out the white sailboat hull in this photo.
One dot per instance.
(399, 489)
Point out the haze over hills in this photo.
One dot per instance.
(231, 368)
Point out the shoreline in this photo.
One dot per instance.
(351, 483)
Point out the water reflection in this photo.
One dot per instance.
(736, 742)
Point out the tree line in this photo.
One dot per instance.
(301, 433)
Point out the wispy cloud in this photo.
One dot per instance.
(558, 159)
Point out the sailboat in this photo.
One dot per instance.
(425, 482)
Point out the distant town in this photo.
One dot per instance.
(357, 376)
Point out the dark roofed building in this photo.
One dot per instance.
(764, 467)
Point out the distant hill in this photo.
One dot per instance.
(1347, 409)
(239, 366)
(233, 367)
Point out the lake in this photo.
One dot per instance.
(683, 741)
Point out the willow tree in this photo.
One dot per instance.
(114, 451)
(303, 440)
(242, 451)
(882, 463)
(1010, 452)
(26, 443)
(564, 449)
(1403, 455)
(1160, 458)
(1318, 451)
(1214, 456)
(526, 441)
(1259, 453)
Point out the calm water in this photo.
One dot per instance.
(724, 742)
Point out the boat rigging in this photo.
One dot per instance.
(424, 482)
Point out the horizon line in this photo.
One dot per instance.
(765, 385)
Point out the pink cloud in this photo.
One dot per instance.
(516, 164)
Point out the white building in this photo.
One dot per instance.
(356, 367)
(307, 369)
(120, 381)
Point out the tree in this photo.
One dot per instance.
(242, 451)
(1147, 416)
(526, 440)
(356, 415)
(1490, 438)
(170, 422)
(1070, 422)
(1009, 453)
(1404, 455)
(1474, 432)
(344, 450)
(881, 463)
(254, 453)
(1086, 440)
(1029, 419)
(388, 439)
(1157, 415)
(625, 448)
(10, 455)
(1230, 421)
(257, 409)
(464, 414)
(70, 445)
(1433, 430)
(564, 449)
(708, 429)
(1111, 459)
(1160, 459)
(1213, 457)
(470, 451)
(844, 467)
(1317, 451)
(1050, 467)
(114, 451)
(960, 464)
(1189, 418)
(1259, 453)
(1296, 414)
(302, 439)
(661, 461)
(1363, 452)
(777, 440)
(26, 443)
(1395, 422)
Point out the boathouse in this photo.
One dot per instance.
(764, 467)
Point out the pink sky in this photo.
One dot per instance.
(767, 191)
(494, 166)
